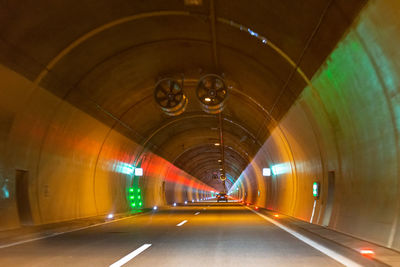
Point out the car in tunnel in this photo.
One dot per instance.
(222, 196)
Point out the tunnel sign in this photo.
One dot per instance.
(316, 189)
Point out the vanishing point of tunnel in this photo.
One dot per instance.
(199, 133)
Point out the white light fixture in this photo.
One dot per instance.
(266, 172)
(110, 216)
(219, 160)
(185, 202)
(207, 99)
(155, 208)
(138, 172)
(192, 200)
(216, 144)
(174, 204)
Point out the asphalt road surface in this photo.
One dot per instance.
(200, 234)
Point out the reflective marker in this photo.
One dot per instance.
(367, 252)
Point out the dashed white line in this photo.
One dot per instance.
(182, 223)
(130, 256)
(330, 253)
(197, 213)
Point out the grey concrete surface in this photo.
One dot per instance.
(224, 234)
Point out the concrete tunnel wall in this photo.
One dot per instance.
(77, 167)
(345, 126)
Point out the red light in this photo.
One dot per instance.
(256, 208)
(367, 252)
(248, 204)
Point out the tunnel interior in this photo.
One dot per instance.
(312, 97)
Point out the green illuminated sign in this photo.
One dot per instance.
(316, 189)
(134, 197)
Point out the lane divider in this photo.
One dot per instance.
(130, 256)
(182, 223)
(197, 213)
(327, 251)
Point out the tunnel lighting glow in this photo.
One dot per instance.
(174, 205)
(216, 144)
(266, 172)
(207, 99)
(252, 33)
(367, 252)
(193, 2)
(124, 168)
(138, 172)
(281, 168)
(110, 216)
(155, 208)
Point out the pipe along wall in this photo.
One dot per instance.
(344, 134)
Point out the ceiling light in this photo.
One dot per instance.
(193, 2)
(219, 160)
(216, 144)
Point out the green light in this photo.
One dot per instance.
(131, 190)
(133, 204)
(316, 189)
(140, 203)
(138, 197)
(132, 197)
(138, 190)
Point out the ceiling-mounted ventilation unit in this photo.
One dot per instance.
(169, 95)
(212, 93)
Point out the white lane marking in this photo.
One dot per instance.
(130, 256)
(65, 232)
(313, 210)
(182, 223)
(197, 213)
(334, 255)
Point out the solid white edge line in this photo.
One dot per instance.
(334, 255)
(182, 223)
(197, 213)
(130, 256)
(313, 211)
(65, 232)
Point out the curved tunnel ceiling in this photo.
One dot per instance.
(105, 60)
